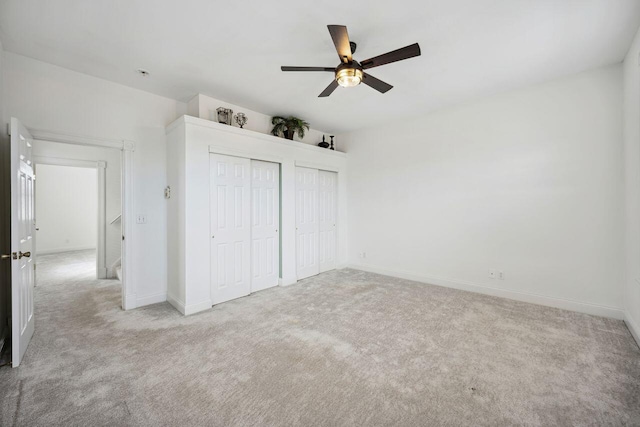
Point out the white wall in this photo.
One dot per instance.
(632, 186)
(66, 208)
(48, 97)
(111, 158)
(202, 105)
(528, 182)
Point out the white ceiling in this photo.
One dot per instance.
(233, 50)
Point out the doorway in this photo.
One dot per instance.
(77, 215)
(69, 239)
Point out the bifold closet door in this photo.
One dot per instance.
(230, 200)
(327, 209)
(306, 222)
(265, 224)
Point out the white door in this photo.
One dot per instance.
(230, 227)
(265, 223)
(327, 190)
(306, 222)
(22, 236)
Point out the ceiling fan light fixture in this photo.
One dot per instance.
(349, 77)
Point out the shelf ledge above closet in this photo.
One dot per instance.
(238, 131)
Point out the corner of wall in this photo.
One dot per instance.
(631, 155)
(633, 327)
(193, 106)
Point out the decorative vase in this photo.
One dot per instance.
(323, 144)
(289, 134)
(331, 148)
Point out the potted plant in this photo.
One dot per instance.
(288, 126)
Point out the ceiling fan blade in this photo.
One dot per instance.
(378, 85)
(329, 90)
(393, 56)
(341, 41)
(287, 68)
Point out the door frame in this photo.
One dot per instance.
(127, 150)
(100, 167)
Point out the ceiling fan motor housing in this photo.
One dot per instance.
(349, 74)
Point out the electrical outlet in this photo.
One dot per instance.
(364, 254)
(500, 274)
(141, 219)
(492, 273)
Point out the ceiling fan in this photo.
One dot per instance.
(351, 73)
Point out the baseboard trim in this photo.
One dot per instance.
(196, 308)
(60, 250)
(177, 304)
(287, 281)
(188, 309)
(151, 299)
(129, 302)
(565, 304)
(633, 327)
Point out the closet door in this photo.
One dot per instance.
(306, 222)
(230, 227)
(265, 223)
(327, 189)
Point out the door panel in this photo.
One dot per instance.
(22, 237)
(306, 222)
(265, 224)
(230, 227)
(327, 191)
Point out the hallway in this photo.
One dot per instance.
(66, 268)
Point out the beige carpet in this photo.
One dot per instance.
(343, 348)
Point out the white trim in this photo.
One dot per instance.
(128, 243)
(287, 281)
(245, 154)
(60, 250)
(633, 327)
(178, 305)
(61, 161)
(189, 309)
(196, 308)
(151, 299)
(65, 138)
(129, 301)
(101, 253)
(566, 304)
(127, 148)
(231, 129)
(319, 166)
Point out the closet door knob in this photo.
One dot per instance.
(24, 255)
